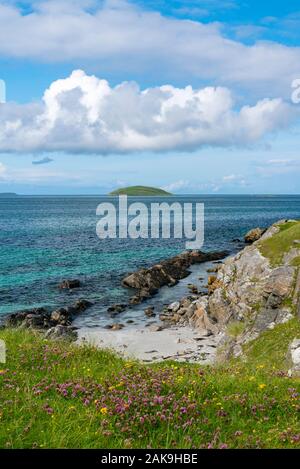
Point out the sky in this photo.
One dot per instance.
(191, 96)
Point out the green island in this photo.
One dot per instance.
(55, 394)
(140, 191)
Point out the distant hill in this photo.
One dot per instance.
(8, 194)
(140, 191)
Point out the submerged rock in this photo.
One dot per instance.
(116, 309)
(149, 312)
(69, 284)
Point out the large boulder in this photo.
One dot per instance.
(254, 235)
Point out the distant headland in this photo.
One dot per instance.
(140, 191)
(8, 194)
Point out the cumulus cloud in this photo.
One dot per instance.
(115, 35)
(85, 114)
(178, 185)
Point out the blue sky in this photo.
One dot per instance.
(225, 122)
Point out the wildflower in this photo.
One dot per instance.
(252, 378)
(103, 410)
(262, 386)
(223, 446)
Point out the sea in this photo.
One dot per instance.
(46, 239)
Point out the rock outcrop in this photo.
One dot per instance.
(148, 281)
(249, 290)
(253, 235)
(56, 323)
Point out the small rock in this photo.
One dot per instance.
(193, 288)
(117, 327)
(149, 312)
(253, 235)
(117, 308)
(174, 306)
(155, 328)
(82, 305)
(69, 284)
(61, 332)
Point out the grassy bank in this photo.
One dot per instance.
(278, 245)
(58, 395)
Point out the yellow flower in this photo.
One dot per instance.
(251, 378)
(262, 386)
(111, 388)
(128, 365)
(103, 410)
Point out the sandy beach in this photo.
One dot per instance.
(174, 343)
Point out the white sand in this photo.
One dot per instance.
(177, 343)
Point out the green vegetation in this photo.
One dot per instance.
(280, 243)
(140, 191)
(57, 395)
(296, 262)
(235, 328)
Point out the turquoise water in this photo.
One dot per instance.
(44, 240)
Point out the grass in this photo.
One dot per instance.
(140, 191)
(235, 328)
(57, 395)
(280, 243)
(296, 261)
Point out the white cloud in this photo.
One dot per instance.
(282, 162)
(115, 35)
(2, 169)
(234, 179)
(84, 114)
(178, 185)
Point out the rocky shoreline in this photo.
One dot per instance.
(57, 324)
(246, 294)
(147, 282)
